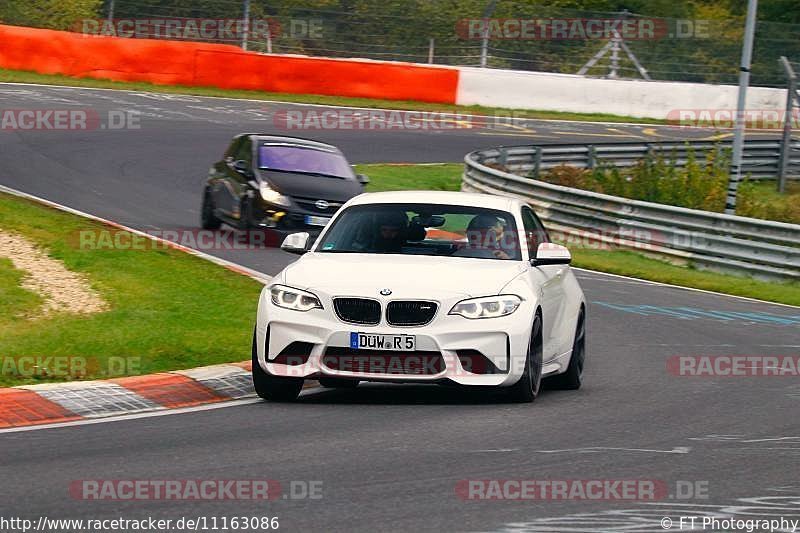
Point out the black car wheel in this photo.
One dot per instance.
(573, 377)
(207, 218)
(273, 388)
(527, 388)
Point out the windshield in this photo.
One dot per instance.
(291, 158)
(424, 229)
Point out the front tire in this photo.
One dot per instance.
(527, 388)
(573, 377)
(273, 388)
(207, 218)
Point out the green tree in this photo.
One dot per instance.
(55, 14)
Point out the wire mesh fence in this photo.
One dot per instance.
(510, 34)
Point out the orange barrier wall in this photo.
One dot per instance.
(218, 65)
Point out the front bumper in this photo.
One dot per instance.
(293, 216)
(502, 341)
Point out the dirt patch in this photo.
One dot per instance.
(62, 289)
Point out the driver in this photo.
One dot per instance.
(391, 232)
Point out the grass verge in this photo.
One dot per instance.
(21, 76)
(622, 262)
(169, 310)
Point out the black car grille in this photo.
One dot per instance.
(410, 313)
(309, 204)
(357, 310)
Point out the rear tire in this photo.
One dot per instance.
(338, 383)
(273, 388)
(207, 218)
(573, 377)
(527, 388)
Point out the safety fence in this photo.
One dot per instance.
(727, 243)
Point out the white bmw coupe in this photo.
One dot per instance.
(423, 287)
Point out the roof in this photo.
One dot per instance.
(437, 197)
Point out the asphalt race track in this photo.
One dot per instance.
(391, 457)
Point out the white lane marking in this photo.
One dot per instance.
(668, 285)
(620, 281)
(772, 439)
(597, 449)
(499, 450)
(669, 345)
(150, 414)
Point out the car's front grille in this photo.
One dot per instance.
(419, 363)
(357, 310)
(410, 312)
(310, 204)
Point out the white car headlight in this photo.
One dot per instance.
(487, 307)
(272, 196)
(295, 299)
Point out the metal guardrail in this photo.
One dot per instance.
(761, 159)
(727, 243)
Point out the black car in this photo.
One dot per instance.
(268, 181)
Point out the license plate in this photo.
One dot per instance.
(376, 341)
(312, 220)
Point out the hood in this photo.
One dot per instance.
(407, 276)
(308, 186)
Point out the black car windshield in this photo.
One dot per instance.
(292, 158)
(423, 229)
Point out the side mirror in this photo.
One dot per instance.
(550, 253)
(241, 166)
(296, 243)
(362, 179)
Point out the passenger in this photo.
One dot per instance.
(485, 236)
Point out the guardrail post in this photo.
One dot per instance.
(786, 141)
(503, 159)
(651, 150)
(537, 161)
(591, 157)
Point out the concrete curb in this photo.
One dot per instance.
(49, 403)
